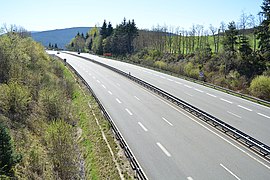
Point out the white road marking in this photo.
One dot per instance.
(90, 74)
(118, 100)
(117, 84)
(243, 107)
(211, 95)
(189, 94)
(137, 98)
(236, 177)
(128, 111)
(187, 86)
(155, 74)
(167, 121)
(142, 126)
(103, 86)
(163, 149)
(210, 130)
(225, 100)
(94, 77)
(162, 77)
(234, 114)
(198, 90)
(189, 178)
(169, 79)
(177, 82)
(110, 92)
(98, 81)
(263, 115)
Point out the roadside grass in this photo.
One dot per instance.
(99, 163)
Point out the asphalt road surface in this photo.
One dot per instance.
(168, 142)
(249, 117)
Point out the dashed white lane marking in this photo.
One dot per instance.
(264, 115)
(103, 86)
(189, 94)
(236, 177)
(243, 107)
(225, 100)
(155, 74)
(118, 100)
(110, 92)
(137, 98)
(128, 111)
(234, 114)
(162, 77)
(189, 178)
(198, 90)
(211, 95)
(212, 131)
(98, 81)
(163, 149)
(142, 126)
(187, 86)
(177, 82)
(169, 79)
(94, 77)
(167, 121)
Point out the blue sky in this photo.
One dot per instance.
(41, 15)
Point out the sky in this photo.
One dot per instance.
(40, 15)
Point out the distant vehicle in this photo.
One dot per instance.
(79, 52)
(58, 52)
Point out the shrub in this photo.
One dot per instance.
(260, 87)
(62, 150)
(14, 100)
(161, 65)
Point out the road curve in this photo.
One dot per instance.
(168, 143)
(247, 116)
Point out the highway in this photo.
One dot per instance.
(249, 117)
(168, 142)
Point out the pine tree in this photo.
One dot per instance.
(264, 30)
(103, 30)
(8, 158)
(230, 39)
(55, 46)
(110, 29)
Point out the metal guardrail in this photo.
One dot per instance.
(133, 162)
(250, 142)
(229, 91)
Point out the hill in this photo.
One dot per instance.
(61, 37)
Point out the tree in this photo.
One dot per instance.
(55, 46)
(230, 39)
(264, 30)
(109, 29)
(8, 157)
(103, 30)
(260, 87)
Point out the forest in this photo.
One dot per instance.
(234, 55)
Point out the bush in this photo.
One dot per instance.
(161, 65)
(260, 87)
(62, 150)
(14, 100)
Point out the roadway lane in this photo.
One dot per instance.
(249, 117)
(168, 143)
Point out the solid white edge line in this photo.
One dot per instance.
(264, 115)
(234, 114)
(143, 127)
(225, 100)
(128, 111)
(118, 100)
(178, 82)
(243, 107)
(230, 171)
(167, 121)
(210, 130)
(163, 149)
(211, 95)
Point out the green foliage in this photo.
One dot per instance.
(230, 39)
(8, 157)
(62, 150)
(260, 87)
(161, 65)
(15, 100)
